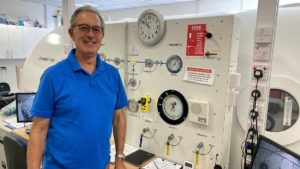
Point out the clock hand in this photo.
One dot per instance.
(145, 23)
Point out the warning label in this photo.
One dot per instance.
(199, 75)
(196, 40)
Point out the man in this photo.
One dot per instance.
(78, 102)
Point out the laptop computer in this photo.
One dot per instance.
(271, 155)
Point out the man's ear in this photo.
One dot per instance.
(70, 31)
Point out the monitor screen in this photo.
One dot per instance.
(271, 155)
(23, 106)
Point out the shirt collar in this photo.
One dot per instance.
(76, 67)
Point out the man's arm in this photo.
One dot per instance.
(36, 142)
(119, 131)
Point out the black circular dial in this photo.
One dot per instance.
(172, 107)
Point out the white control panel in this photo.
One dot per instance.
(187, 76)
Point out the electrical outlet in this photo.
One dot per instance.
(264, 68)
(262, 89)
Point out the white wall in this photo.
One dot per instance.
(9, 76)
(196, 7)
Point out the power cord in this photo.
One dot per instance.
(249, 144)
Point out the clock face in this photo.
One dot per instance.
(172, 107)
(151, 27)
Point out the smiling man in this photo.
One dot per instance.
(79, 102)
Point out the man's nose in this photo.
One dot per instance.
(91, 32)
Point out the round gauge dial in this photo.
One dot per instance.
(151, 27)
(172, 107)
(133, 105)
(174, 64)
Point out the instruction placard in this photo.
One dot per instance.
(196, 40)
(199, 75)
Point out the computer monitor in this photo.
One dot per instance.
(271, 155)
(23, 106)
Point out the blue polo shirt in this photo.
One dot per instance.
(81, 109)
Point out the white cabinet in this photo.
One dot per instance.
(4, 41)
(11, 45)
(40, 33)
(15, 41)
(31, 37)
(29, 40)
(18, 41)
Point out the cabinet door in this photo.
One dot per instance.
(15, 41)
(29, 40)
(3, 41)
(40, 33)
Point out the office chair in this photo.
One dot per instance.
(15, 151)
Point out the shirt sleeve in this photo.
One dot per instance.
(43, 104)
(122, 100)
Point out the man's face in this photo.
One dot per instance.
(87, 34)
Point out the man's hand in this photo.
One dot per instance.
(119, 163)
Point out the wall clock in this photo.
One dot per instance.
(151, 27)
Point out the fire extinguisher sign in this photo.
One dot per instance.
(196, 40)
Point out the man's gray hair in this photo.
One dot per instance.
(86, 8)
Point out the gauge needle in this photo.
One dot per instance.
(173, 105)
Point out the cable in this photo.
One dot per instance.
(249, 144)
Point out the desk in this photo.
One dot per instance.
(128, 166)
(21, 133)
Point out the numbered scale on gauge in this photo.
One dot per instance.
(174, 64)
(172, 107)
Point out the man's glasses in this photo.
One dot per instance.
(84, 28)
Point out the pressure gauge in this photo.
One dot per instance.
(151, 27)
(174, 64)
(172, 107)
(133, 105)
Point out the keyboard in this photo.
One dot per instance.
(13, 124)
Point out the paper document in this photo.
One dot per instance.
(160, 163)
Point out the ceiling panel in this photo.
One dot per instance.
(105, 5)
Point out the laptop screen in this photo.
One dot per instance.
(271, 155)
(23, 106)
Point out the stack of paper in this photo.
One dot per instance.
(160, 163)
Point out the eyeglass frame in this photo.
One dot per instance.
(93, 28)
